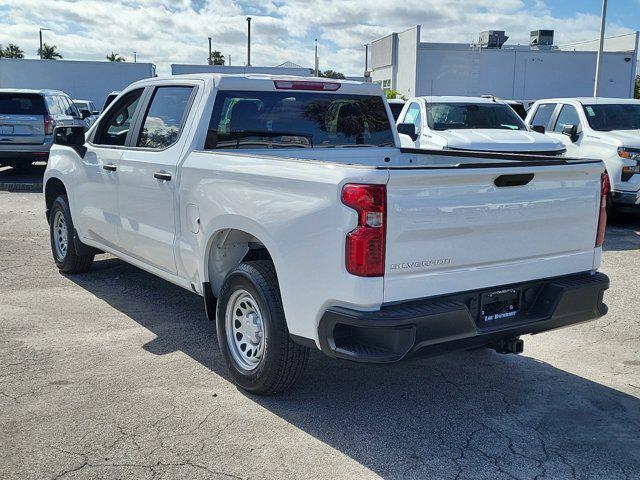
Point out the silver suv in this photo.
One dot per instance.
(27, 120)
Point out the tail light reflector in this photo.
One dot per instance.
(605, 189)
(365, 245)
(48, 125)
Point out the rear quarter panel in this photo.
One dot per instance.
(294, 208)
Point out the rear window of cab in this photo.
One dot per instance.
(245, 119)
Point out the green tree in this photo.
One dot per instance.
(12, 51)
(217, 58)
(637, 95)
(49, 52)
(393, 94)
(331, 74)
(115, 57)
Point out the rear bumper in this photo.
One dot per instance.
(41, 154)
(625, 199)
(27, 152)
(448, 323)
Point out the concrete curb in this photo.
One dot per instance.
(20, 187)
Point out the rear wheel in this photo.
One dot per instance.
(252, 331)
(63, 246)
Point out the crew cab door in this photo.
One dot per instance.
(413, 115)
(147, 174)
(94, 205)
(567, 116)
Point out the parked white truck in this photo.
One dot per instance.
(485, 124)
(604, 128)
(289, 206)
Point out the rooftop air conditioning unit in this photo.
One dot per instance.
(492, 39)
(542, 39)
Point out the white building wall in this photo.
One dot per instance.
(521, 74)
(79, 79)
(408, 62)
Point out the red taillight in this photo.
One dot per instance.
(605, 188)
(306, 85)
(365, 245)
(48, 125)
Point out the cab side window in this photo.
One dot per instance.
(114, 127)
(165, 116)
(543, 115)
(568, 116)
(413, 116)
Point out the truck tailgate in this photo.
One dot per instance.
(454, 230)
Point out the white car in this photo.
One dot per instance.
(603, 128)
(288, 205)
(470, 123)
(90, 107)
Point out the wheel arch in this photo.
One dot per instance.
(52, 190)
(227, 248)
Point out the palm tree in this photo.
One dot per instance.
(115, 57)
(217, 58)
(49, 52)
(12, 51)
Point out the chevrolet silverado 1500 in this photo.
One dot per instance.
(289, 206)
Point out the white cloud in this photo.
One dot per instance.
(176, 31)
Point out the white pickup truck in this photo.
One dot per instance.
(288, 205)
(604, 128)
(470, 123)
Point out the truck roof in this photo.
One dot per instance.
(259, 81)
(458, 99)
(593, 100)
(33, 91)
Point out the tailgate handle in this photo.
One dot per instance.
(513, 180)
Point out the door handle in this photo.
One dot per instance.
(109, 167)
(513, 180)
(162, 175)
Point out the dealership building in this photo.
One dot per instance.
(402, 62)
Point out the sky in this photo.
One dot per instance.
(175, 31)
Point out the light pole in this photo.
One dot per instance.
(600, 49)
(248, 41)
(40, 51)
(209, 60)
(316, 58)
(135, 57)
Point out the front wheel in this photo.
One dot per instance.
(63, 247)
(252, 331)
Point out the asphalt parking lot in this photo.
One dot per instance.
(116, 374)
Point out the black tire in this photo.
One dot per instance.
(283, 361)
(67, 261)
(612, 212)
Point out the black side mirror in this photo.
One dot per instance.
(570, 131)
(84, 113)
(408, 129)
(538, 128)
(71, 137)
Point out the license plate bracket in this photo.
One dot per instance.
(499, 306)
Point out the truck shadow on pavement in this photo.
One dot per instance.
(470, 414)
(623, 233)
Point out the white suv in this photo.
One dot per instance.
(600, 128)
